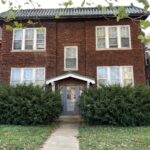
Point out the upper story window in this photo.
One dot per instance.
(110, 75)
(113, 37)
(27, 76)
(29, 39)
(71, 58)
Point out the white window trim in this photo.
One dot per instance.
(119, 38)
(34, 41)
(121, 73)
(22, 74)
(71, 69)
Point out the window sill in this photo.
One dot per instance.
(70, 70)
(113, 49)
(26, 51)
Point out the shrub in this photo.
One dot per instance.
(115, 105)
(28, 105)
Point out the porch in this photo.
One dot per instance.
(70, 86)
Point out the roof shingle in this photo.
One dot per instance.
(71, 13)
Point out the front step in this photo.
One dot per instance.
(70, 119)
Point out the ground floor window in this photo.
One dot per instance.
(110, 75)
(35, 76)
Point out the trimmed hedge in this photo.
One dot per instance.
(115, 105)
(28, 105)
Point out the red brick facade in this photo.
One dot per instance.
(77, 32)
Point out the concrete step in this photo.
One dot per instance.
(70, 119)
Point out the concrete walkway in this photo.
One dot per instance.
(64, 138)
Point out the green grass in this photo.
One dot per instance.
(23, 138)
(109, 138)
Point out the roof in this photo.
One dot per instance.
(71, 13)
(71, 75)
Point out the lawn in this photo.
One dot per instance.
(23, 138)
(109, 138)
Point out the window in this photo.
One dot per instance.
(15, 76)
(71, 58)
(115, 75)
(122, 75)
(102, 75)
(18, 36)
(127, 75)
(113, 40)
(27, 76)
(112, 37)
(29, 39)
(39, 76)
(40, 43)
(101, 37)
(125, 37)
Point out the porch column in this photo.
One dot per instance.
(88, 85)
(53, 86)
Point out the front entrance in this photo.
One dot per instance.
(70, 96)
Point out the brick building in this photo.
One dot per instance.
(80, 48)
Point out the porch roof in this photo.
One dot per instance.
(71, 75)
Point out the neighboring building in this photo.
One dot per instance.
(0, 45)
(80, 48)
(147, 60)
(0, 37)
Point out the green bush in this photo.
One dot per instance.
(28, 105)
(115, 105)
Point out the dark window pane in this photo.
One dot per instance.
(40, 44)
(17, 44)
(71, 63)
(40, 36)
(125, 42)
(113, 43)
(29, 44)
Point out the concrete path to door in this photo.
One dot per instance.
(64, 138)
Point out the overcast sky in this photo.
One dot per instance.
(56, 4)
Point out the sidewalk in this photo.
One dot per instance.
(64, 138)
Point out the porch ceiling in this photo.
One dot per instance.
(71, 75)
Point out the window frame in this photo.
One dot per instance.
(34, 41)
(120, 71)
(118, 38)
(22, 74)
(71, 69)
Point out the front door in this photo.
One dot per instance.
(70, 96)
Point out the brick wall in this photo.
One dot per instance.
(79, 33)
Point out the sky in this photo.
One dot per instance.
(76, 3)
(55, 3)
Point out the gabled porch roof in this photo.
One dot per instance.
(71, 75)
